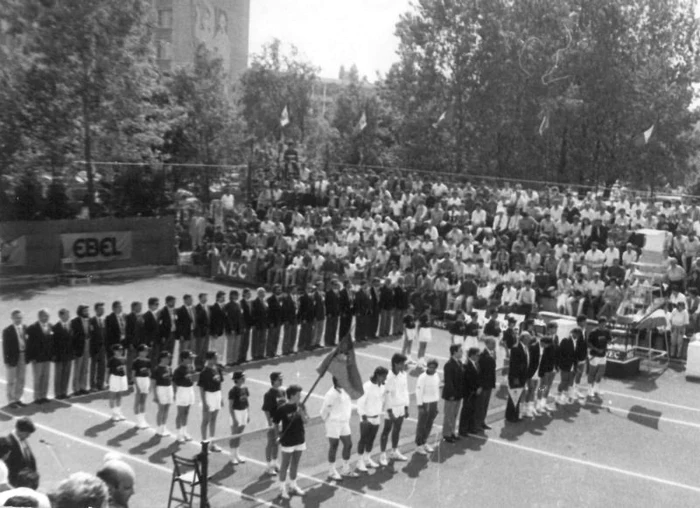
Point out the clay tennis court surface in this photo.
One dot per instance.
(638, 448)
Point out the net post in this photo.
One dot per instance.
(204, 487)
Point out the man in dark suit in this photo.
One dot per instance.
(452, 392)
(319, 315)
(234, 324)
(115, 328)
(332, 313)
(259, 317)
(517, 374)
(386, 308)
(289, 321)
(38, 354)
(201, 329)
(184, 329)
(362, 310)
(599, 234)
(168, 325)
(533, 380)
(306, 318)
(151, 330)
(80, 333)
(274, 317)
(21, 457)
(98, 351)
(14, 340)
(471, 392)
(346, 301)
(217, 325)
(62, 354)
(487, 381)
(245, 327)
(400, 307)
(134, 336)
(373, 319)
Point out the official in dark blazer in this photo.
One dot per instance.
(332, 313)
(246, 329)
(39, 351)
(581, 353)
(151, 330)
(14, 341)
(201, 329)
(167, 325)
(80, 331)
(346, 301)
(306, 319)
(62, 354)
(453, 374)
(234, 325)
(259, 317)
(319, 315)
(21, 457)
(471, 391)
(373, 323)
(517, 374)
(487, 381)
(217, 325)
(386, 308)
(566, 362)
(400, 307)
(362, 310)
(533, 380)
(185, 323)
(134, 337)
(289, 310)
(274, 308)
(546, 371)
(115, 328)
(98, 350)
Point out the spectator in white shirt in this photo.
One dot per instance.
(678, 320)
(629, 257)
(369, 408)
(427, 397)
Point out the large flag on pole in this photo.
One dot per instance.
(284, 117)
(342, 364)
(363, 122)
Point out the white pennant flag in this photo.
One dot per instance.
(648, 133)
(515, 394)
(363, 122)
(284, 118)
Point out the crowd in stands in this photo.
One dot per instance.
(456, 243)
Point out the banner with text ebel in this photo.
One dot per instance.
(97, 247)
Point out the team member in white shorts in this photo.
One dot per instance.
(142, 379)
(335, 412)
(165, 396)
(293, 417)
(425, 337)
(184, 393)
(240, 417)
(118, 383)
(210, 380)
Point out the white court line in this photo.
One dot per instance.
(644, 415)
(251, 460)
(158, 467)
(653, 401)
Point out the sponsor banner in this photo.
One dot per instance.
(13, 252)
(96, 247)
(232, 269)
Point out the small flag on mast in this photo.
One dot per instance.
(284, 118)
(544, 125)
(648, 133)
(440, 120)
(363, 121)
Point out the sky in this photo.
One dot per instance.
(331, 33)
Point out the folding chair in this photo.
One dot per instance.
(187, 474)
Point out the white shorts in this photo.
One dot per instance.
(425, 335)
(143, 384)
(213, 400)
(410, 334)
(241, 416)
(165, 394)
(184, 396)
(335, 429)
(118, 383)
(290, 449)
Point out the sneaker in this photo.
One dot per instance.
(295, 489)
(233, 461)
(383, 461)
(333, 474)
(348, 471)
(371, 463)
(550, 406)
(429, 449)
(421, 450)
(397, 455)
(215, 449)
(271, 471)
(284, 492)
(182, 439)
(188, 437)
(361, 466)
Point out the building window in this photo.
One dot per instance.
(164, 50)
(165, 18)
